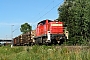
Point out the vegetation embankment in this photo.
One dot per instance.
(44, 53)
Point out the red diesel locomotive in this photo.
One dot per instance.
(50, 32)
(47, 32)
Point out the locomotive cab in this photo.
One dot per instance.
(48, 31)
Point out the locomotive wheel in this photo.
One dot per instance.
(36, 42)
(44, 41)
(61, 41)
(31, 43)
(53, 41)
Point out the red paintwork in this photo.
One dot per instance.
(55, 27)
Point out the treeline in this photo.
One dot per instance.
(76, 17)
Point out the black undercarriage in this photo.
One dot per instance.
(54, 39)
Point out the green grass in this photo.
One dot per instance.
(44, 53)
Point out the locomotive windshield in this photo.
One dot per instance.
(44, 21)
(49, 21)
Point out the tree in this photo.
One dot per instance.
(25, 28)
(75, 15)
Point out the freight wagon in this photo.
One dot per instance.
(23, 39)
